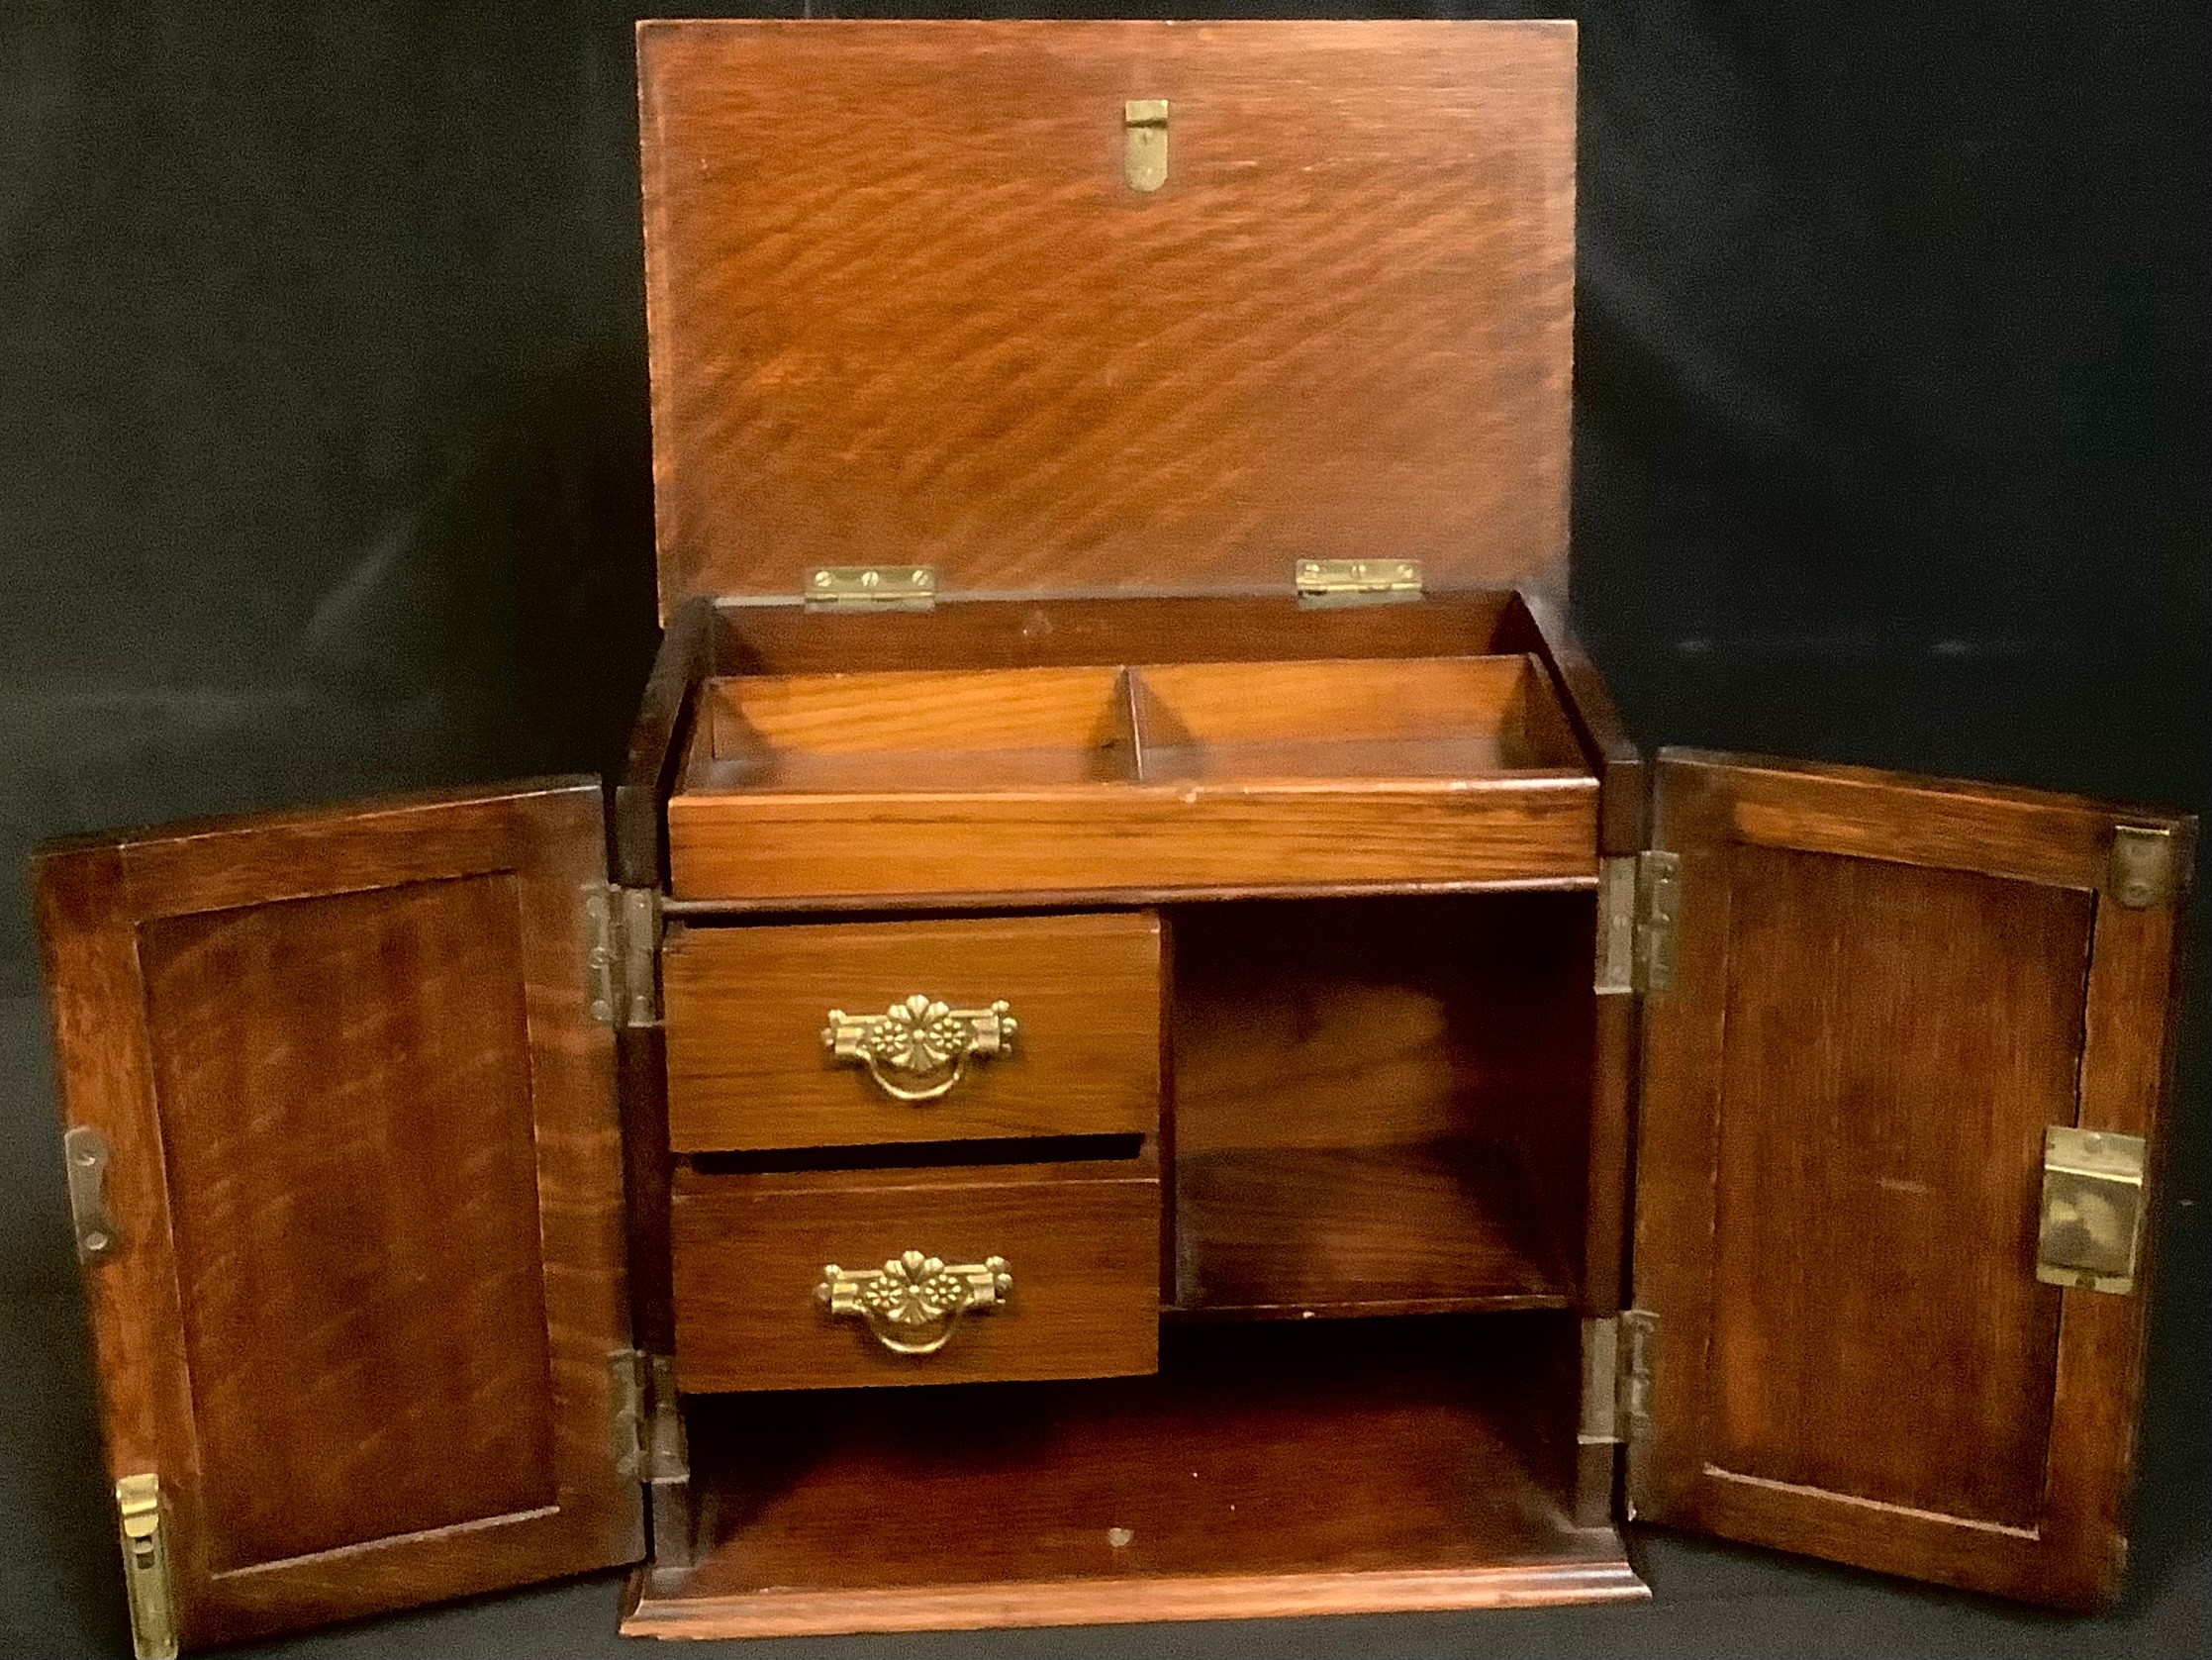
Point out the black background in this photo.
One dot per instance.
(323, 470)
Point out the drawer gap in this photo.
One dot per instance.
(912, 1155)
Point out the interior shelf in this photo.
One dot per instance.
(1426, 1229)
(1411, 1463)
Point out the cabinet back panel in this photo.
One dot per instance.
(1874, 1115)
(380, 1120)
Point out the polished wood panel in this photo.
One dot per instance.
(1045, 842)
(1381, 1102)
(1885, 991)
(746, 1008)
(367, 1177)
(384, 1020)
(1082, 1239)
(1842, 1154)
(904, 308)
(1333, 1468)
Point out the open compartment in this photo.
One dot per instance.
(1348, 719)
(1205, 761)
(1382, 1105)
(1328, 1468)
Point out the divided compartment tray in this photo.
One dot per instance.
(1188, 777)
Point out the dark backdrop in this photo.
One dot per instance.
(322, 460)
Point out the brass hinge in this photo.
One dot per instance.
(146, 1566)
(1639, 921)
(871, 588)
(1638, 1351)
(1332, 582)
(84, 1153)
(1639, 1339)
(1600, 1381)
(648, 1424)
(621, 954)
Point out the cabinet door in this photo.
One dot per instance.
(342, 1140)
(1885, 990)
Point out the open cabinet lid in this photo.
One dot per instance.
(1890, 1293)
(348, 1188)
(1118, 307)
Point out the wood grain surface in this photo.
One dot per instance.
(746, 1007)
(1267, 1470)
(1887, 989)
(904, 309)
(1082, 1239)
(367, 1180)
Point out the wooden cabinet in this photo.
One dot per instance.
(1124, 905)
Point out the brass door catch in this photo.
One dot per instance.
(913, 1302)
(1144, 153)
(917, 1039)
(146, 1566)
(2091, 1228)
(85, 1151)
(2144, 864)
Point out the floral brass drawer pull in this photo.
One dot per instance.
(917, 1039)
(913, 1302)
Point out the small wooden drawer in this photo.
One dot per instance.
(1016, 1272)
(997, 1027)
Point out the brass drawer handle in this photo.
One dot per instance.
(913, 1302)
(918, 1037)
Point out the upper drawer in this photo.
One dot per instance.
(756, 1058)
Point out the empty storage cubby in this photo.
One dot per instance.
(1381, 1105)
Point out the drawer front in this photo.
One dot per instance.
(1074, 1051)
(1054, 1273)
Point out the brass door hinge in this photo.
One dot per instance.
(84, 1152)
(648, 1424)
(621, 954)
(1333, 582)
(146, 1566)
(1639, 922)
(1637, 1349)
(871, 588)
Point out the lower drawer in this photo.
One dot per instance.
(963, 1275)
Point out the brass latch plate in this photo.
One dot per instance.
(871, 588)
(2091, 1228)
(1144, 144)
(146, 1566)
(1333, 582)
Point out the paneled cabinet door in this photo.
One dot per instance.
(343, 1145)
(1886, 991)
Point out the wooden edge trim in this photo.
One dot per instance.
(1603, 1576)
(639, 849)
(1531, 623)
